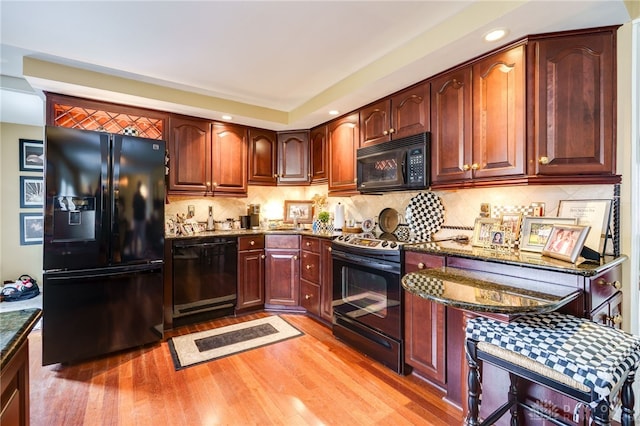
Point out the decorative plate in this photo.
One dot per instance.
(424, 215)
(368, 225)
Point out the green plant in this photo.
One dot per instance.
(324, 217)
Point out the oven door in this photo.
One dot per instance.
(367, 291)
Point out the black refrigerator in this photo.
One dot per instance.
(103, 243)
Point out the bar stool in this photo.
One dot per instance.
(576, 357)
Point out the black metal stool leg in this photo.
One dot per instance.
(473, 383)
(600, 414)
(513, 399)
(628, 401)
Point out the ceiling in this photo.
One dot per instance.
(273, 64)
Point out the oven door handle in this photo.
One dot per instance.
(366, 262)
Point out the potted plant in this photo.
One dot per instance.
(323, 221)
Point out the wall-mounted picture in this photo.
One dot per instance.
(31, 228)
(536, 231)
(302, 210)
(593, 213)
(482, 230)
(565, 242)
(511, 223)
(31, 191)
(31, 155)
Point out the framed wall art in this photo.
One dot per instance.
(31, 191)
(565, 242)
(31, 155)
(31, 228)
(482, 230)
(302, 210)
(536, 231)
(593, 213)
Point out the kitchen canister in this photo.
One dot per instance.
(338, 217)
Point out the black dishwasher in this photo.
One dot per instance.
(204, 278)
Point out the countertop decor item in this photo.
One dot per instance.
(388, 220)
(368, 224)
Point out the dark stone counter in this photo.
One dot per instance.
(15, 326)
(248, 232)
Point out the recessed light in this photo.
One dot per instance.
(496, 34)
(334, 112)
(227, 117)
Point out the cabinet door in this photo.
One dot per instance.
(282, 277)
(263, 156)
(318, 154)
(344, 138)
(189, 154)
(326, 281)
(250, 279)
(229, 159)
(293, 158)
(451, 126)
(310, 297)
(410, 112)
(499, 115)
(375, 123)
(574, 104)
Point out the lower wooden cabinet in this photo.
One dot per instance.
(251, 279)
(15, 388)
(282, 271)
(326, 281)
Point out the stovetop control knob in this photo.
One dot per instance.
(347, 238)
(385, 243)
(393, 244)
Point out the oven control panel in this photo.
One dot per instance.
(365, 242)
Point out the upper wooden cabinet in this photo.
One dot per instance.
(343, 140)
(293, 158)
(263, 157)
(478, 120)
(189, 154)
(403, 114)
(318, 154)
(230, 150)
(573, 91)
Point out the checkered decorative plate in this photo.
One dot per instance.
(425, 215)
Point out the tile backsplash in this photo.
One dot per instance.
(461, 206)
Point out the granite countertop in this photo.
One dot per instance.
(15, 326)
(516, 257)
(248, 232)
(472, 291)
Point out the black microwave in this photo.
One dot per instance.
(400, 164)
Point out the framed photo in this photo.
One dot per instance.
(565, 242)
(31, 228)
(497, 238)
(536, 231)
(511, 222)
(31, 155)
(302, 210)
(593, 213)
(482, 230)
(31, 191)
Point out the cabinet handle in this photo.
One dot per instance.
(543, 160)
(392, 130)
(475, 166)
(616, 284)
(307, 296)
(615, 320)
(465, 167)
(420, 265)
(252, 243)
(262, 256)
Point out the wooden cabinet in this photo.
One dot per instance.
(424, 326)
(15, 388)
(478, 120)
(293, 158)
(343, 140)
(610, 312)
(230, 150)
(318, 154)
(263, 157)
(189, 154)
(403, 114)
(251, 272)
(310, 295)
(282, 271)
(573, 89)
(326, 281)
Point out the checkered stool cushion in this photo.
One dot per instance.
(589, 354)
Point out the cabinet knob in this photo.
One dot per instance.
(384, 132)
(308, 267)
(295, 257)
(475, 166)
(615, 320)
(307, 296)
(329, 249)
(421, 265)
(252, 243)
(465, 167)
(262, 256)
(615, 284)
(308, 243)
(215, 184)
(208, 184)
(543, 160)
(392, 130)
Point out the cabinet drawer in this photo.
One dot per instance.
(310, 297)
(311, 244)
(602, 287)
(282, 241)
(253, 242)
(415, 261)
(310, 266)
(609, 313)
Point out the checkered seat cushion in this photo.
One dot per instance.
(591, 357)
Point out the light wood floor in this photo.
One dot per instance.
(311, 380)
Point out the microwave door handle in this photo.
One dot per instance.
(404, 168)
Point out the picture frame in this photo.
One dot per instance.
(31, 155)
(31, 191)
(593, 213)
(565, 242)
(511, 222)
(31, 228)
(300, 209)
(482, 230)
(498, 238)
(535, 230)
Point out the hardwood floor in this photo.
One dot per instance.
(310, 380)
